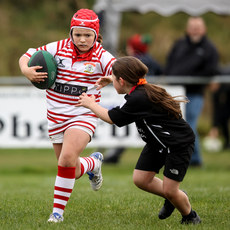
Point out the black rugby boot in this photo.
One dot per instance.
(166, 210)
(192, 218)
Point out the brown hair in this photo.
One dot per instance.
(100, 38)
(132, 69)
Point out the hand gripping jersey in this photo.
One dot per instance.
(73, 78)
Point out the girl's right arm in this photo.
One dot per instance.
(31, 72)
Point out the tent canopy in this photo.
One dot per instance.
(113, 12)
(166, 7)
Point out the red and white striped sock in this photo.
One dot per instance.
(63, 188)
(88, 164)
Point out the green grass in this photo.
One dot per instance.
(26, 195)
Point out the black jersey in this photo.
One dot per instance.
(153, 123)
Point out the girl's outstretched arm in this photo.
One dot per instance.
(99, 111)
(103, 81)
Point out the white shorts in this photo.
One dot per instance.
(58, 138)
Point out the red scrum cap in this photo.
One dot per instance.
(86, 19)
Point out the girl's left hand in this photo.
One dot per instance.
(85, 100)
(103, 81)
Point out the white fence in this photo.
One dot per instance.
(23, 119)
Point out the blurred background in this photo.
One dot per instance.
(27, 23)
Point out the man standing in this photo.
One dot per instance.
(193, 55)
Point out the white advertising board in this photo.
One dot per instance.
(23, 121)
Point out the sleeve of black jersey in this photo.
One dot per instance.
(135, 108)
(120, 117)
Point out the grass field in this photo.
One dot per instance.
(26, 195)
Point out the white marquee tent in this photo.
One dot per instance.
(113, 12)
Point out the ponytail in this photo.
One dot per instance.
(163, 99)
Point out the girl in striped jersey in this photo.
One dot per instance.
(82, 61)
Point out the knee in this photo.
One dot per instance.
(142, 179)
(169, 194)
(67, 160)
(138, 181)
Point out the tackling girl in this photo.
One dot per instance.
(169, 139)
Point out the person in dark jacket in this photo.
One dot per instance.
(194, 55)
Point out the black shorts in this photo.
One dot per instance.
(176, 162)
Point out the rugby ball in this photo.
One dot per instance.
(49, 64)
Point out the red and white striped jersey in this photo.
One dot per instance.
(61, 110)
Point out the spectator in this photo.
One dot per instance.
(221, 113)
(193, 55)
(137, 46)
